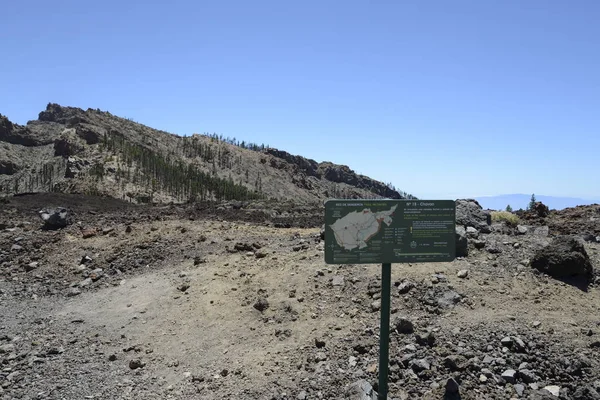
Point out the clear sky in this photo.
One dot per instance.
(442, 98)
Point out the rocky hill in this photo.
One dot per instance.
(94, 152)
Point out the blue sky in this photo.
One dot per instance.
(444, 99)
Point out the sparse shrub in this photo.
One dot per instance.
(505, 216)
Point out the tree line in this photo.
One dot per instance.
(182, 180)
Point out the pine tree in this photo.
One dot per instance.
(509, 208)
(531, 202)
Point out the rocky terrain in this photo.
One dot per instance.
(70, 150)
(104, 299)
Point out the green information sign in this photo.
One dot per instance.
(389, 231)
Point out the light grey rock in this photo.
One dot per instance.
(360, 390)
(337, 280)
(510, 375)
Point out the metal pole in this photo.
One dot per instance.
(384, 330)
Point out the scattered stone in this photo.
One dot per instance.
(128, 229)
(528, 376)
(360, 390)
(456, 362)
(137, 363)
(427, 339)
(553, 389)
(112, 357)
(419, 365)
(338, 280)
(463, 273)
(510, 375)
(376, 305)
(587, 392)
(405, 287)
(183, 287)
(243, 247)
(479, 244)
(403, 325)
(88, 233)
(319, 343)
(519, 389)
(31, 266)
(7, 348)
(493, 247)
(73, 292)
(261, 304)
(519, 345)
(199, 260)
(16, 247)
(302, 395)
(521, 229)
(261, 253)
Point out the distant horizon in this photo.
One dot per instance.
(429, 196)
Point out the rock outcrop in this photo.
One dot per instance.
(469, 213)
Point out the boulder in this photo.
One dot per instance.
(564, 257)
(470, 214)
(55, 218)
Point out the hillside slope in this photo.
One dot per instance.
(94, 152)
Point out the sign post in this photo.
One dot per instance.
(385, 232)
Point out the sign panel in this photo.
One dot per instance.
(389, 231)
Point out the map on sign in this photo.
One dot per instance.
(358, 227)
(389, 231)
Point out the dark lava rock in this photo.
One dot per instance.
(470, 213)
(426, 339)
(456, 362)
(564, 257)
(405, 287)
(403, 325)
(587, 392)
(243, 247)
(55, 218)
(261, 304)
(135, 364)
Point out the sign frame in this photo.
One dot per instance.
(435, 229)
